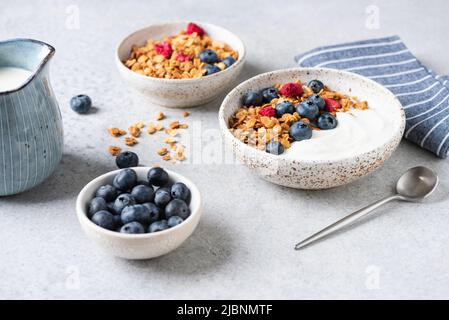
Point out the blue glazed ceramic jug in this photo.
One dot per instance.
(31, 136)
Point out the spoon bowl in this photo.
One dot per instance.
(416, 184)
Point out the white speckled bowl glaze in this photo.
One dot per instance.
(180, 93)
(314, 174)
(138, 246)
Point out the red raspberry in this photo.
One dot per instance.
(181, 56)
(191, 28)
(164, 48)
(331, 105)
(267, 111)
(291, 89)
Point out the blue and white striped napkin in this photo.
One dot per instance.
(423, 94)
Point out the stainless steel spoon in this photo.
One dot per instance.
(414, 185)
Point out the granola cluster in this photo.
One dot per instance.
(275, 117)
(178, 56)
(174, 151)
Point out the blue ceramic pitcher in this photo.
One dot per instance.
(31, 136)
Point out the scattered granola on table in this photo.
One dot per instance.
(273, 118)
(189, 54)
(175, 151)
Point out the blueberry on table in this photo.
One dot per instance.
(122, 201)
(180, 191)
(300, 131)
(208, 56)
(132, 228)
(107, 192)
(158, 226)
(142, 193)
(316, 85)
(326, 121)
(95, 205)
(228, 61)
(126, 179)
(157, 176)
(174, 221)
(308, 109)
(155, 211)
(274, 147)
(137, 212)
(211, 69)
(269, 94)
(252, 98)
(127, 159)
(284, 107)
(162, 196)
(104, 219)
(81, 103)
(318, 100)
(177, 207)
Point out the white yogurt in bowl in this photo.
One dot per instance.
(362, 141)
(12, 78)
(357, 131)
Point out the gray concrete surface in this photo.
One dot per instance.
(243, 247)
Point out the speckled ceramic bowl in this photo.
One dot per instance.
(315, 174)
(138, 246)
(179, 93)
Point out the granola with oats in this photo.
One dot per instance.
(189, 54)
(174, 151)
(114, 150)
(275, 117)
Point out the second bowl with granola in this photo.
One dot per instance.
(181, 64)
(311, 128)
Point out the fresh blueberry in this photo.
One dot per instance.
(158, 226)
(300, 131)
(318, 101)
(274, 147)
(252, 98)
(162, 196)
(211, 69)
(284, 107)
(180, 191)
(126, 179)
(177, 207)
(123, 200)
(174, 221)
(228, 61)
(137, 212)
(269, 94)
(97, 204)
(308, 109)
(326, 121)
(316, 85)
(107, 192)
(157, 176)
(208, 56)
(81, 103)
(143, 193)
(111, 208)
(127, 159)
(104, 219)
(132, 228)
(155, 211)
(118, 221)
(143, 182)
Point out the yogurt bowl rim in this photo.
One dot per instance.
(240, 59)
(225, 128)
(81, 205)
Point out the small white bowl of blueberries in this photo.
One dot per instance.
(139, 212)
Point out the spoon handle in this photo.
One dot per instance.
(344, 222)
